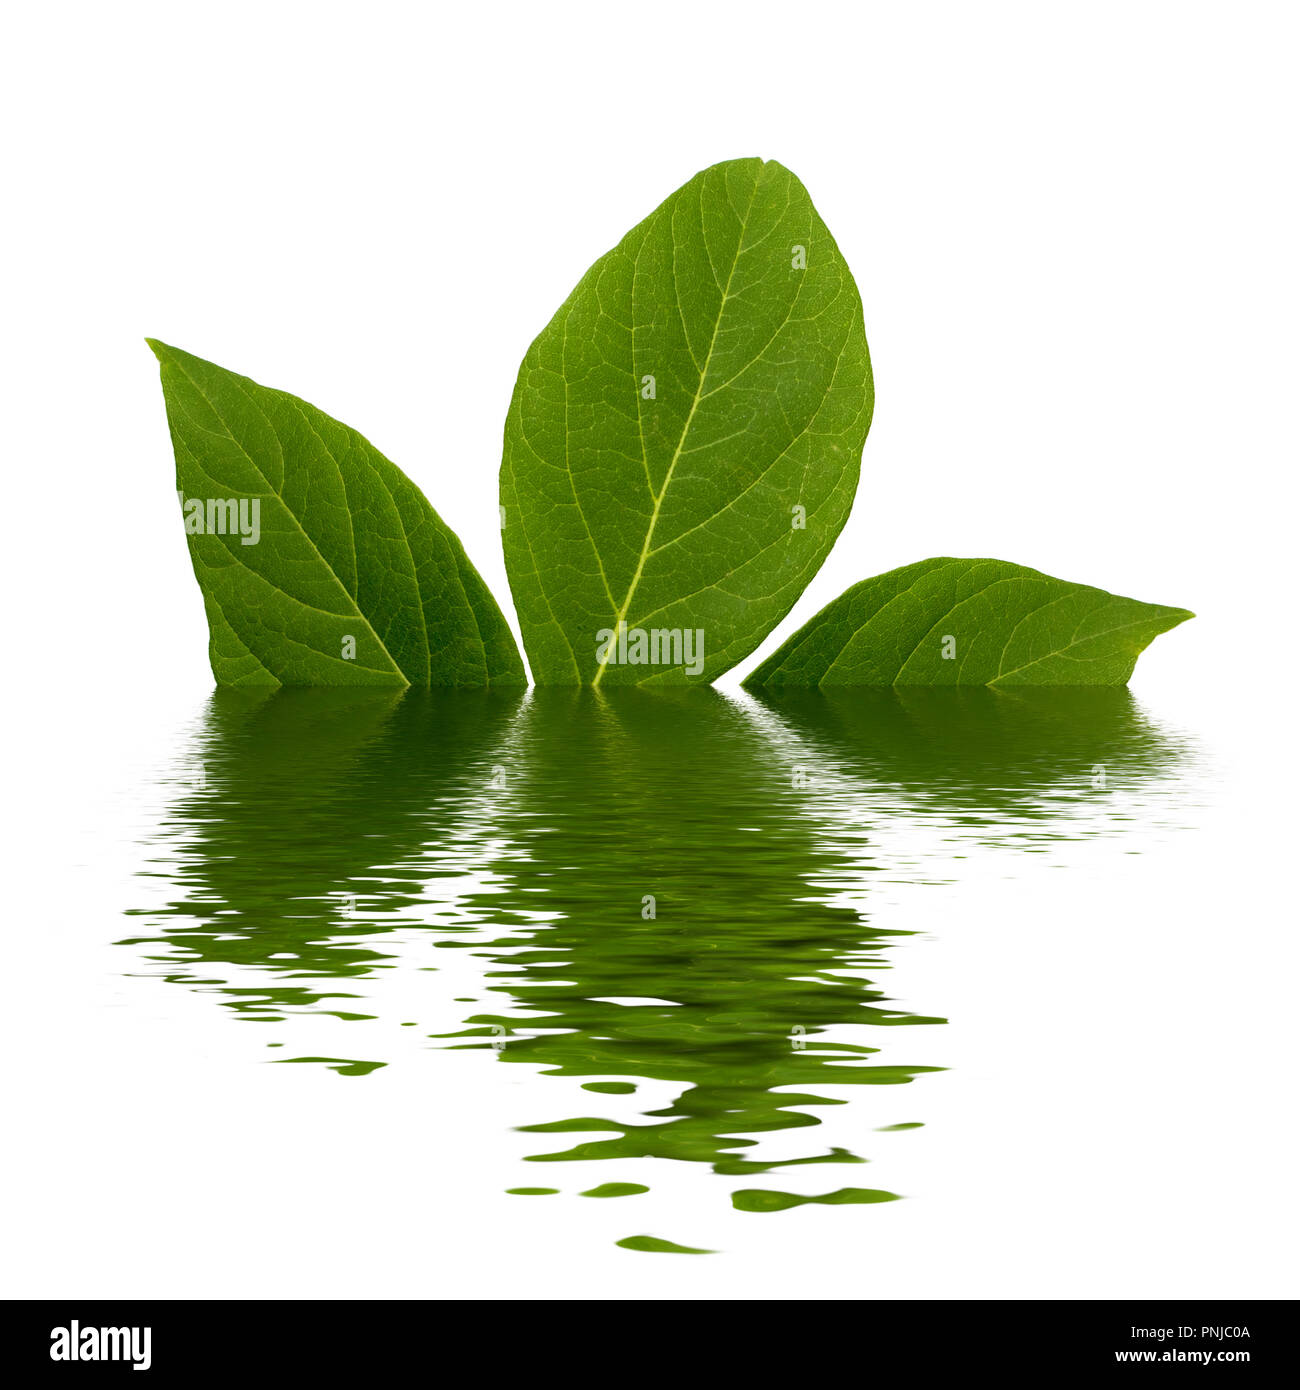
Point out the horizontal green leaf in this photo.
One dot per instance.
(683, 443)
(320, 562)
(969, 622)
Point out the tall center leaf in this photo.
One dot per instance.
(683, 443)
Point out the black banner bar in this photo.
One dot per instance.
(86, 1339)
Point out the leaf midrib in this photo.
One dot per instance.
(621, 616)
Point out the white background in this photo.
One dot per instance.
(1074, 229)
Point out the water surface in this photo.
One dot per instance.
(672, 893)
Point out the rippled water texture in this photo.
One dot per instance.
(671, 888)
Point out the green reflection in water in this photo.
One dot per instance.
(655, 1246)
(992, 766)
(684, 940)
(764, 1199)
(345, 1066)
(309, 828)
(667, 889)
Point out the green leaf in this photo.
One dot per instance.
(683, 444)
(320, 562)
(969, 622)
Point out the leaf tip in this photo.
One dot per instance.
(1177, 616)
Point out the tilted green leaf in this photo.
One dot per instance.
(320, 562)
(684, 439)
(968, 622)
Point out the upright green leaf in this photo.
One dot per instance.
(320, 562)
(683, 444)
(969, 622)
